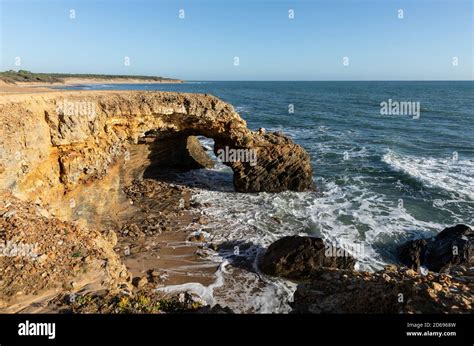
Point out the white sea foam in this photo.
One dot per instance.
(455, 176)
(204, 292)
(242, 109)
(347, 212)
(358, 152)
(352, 216)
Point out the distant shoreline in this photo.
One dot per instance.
(72, 81)
(23, 81)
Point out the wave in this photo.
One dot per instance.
(367, 224)
(453, 175)
(347, 213)
(242, 109)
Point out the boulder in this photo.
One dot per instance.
(279, 165)
(452, 246)
(296, 257)
(410, 253)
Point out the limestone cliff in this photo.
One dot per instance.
(60, 146)
(54, 141)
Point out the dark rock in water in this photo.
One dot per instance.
(277, 164)
(453, 245)
(296, 257)
(410, 253)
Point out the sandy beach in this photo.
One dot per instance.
(36, 87)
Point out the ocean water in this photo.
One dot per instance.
(381, 179)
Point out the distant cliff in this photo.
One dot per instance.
(24, 76)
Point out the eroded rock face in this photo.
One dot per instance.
(391, 290)
(55, 141)
(452, 246)
(296, 257)
(280, 165)
(41, 254)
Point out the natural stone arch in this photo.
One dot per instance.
(60, 149)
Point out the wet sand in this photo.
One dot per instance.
(153, 224)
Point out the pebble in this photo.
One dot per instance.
(213, 247)
(410, 272)
(142, 282)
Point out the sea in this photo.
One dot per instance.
(392, 161)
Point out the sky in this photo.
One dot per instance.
(242, 39)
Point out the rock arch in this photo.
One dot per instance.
(54, 141)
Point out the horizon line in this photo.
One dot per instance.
(75, 74)
(328, 80)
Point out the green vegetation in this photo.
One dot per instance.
(141, 302)
(151, 304)
(27, 76)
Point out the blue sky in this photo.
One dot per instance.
(269, 45)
